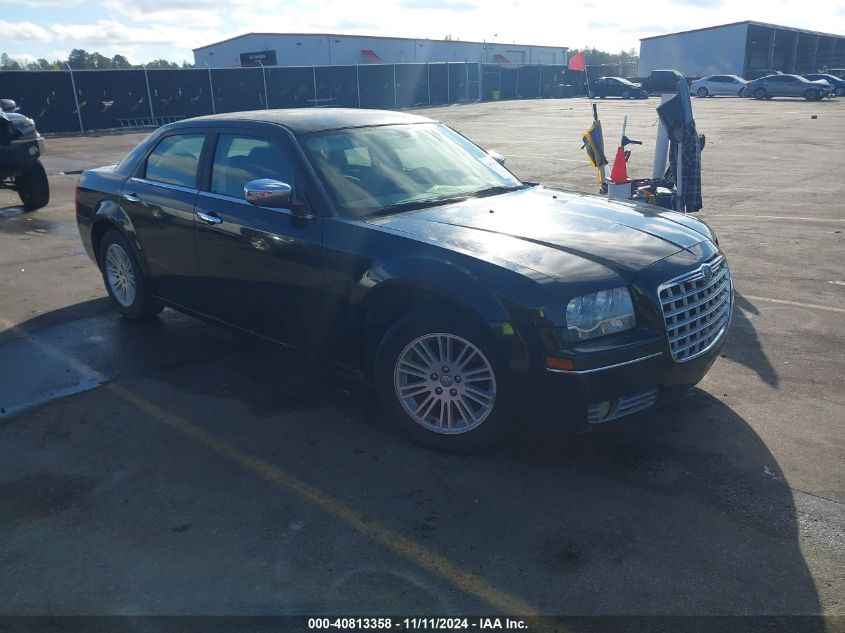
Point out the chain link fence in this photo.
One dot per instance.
(82, 100)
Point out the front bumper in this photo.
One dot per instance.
(629, 372)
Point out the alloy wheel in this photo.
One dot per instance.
(120, 275)
(445, 383)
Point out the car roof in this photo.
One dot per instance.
(304, 120)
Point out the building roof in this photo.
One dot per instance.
(305, 120)
(372, 37)
(745, 22)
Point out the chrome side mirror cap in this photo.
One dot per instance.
(497, 157)
(266, 192)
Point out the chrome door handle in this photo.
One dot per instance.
(209, 218)
(131, 197)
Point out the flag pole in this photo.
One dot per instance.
(587, 79)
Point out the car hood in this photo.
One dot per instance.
(554, 232)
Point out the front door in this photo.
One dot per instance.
(159, 201)
(262, 267)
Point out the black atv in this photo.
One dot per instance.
(21, 146)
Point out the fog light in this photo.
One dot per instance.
(33, 150)
(599, 411)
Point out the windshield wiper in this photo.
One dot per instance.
(410, 205)
(497, 189)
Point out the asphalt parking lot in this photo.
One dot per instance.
(173, 467)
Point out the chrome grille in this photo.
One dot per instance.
(696, 308)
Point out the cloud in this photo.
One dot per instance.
(703, 4)
(23, 32)
(439, 5)
(603, 25)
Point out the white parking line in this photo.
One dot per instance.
(774, 217)
(567, 160)
(797, 304)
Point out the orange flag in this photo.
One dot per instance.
(578, 62)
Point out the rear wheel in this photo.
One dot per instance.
(440, 379)
(702, 92)
(33, 187)
(812, 95)
(760, 93)
(124, 278)
(626, 94)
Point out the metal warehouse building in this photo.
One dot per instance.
(326, 49)
(740, 47)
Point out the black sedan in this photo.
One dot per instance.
(396, 250)
(617, 87)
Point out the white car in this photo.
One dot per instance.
(727, 85)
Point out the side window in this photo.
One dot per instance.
(240, 159)
(175, 159)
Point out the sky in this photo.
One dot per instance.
(143, 30)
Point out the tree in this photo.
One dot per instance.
(119, 61)
(100, 61)
(7, 63)
(79, 59)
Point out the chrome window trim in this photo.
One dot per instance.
(164, 185)
(604, 368)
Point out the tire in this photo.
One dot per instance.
(840, 92)
(456, 419)
(741, 92)
(760, 93)
(812, 95)
(626, 94)
(702, 92)
(124, 279)
(33, 187)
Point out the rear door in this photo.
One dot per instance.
(262, 267)
(159, 200)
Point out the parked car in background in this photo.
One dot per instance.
(787, 86)
(836, 83)
(719, 85)
(836, 72)
(390, 246)
(617, 87)
(662, 81)
(751, 75)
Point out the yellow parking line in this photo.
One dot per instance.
(399, 544)
(404, 547)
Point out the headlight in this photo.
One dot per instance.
(600, 313)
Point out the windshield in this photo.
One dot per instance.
(372, 169)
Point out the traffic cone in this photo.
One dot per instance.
(619, 173)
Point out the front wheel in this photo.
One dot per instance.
(811, 95)
(33, 187)
(760, 93)
(702, 92)
(840, 92)
(626, 94)
(124, 279)
(440, 379)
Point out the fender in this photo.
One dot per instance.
(458, 281)
(112, 214)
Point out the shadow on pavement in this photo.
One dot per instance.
(680, 511)
(743, 344)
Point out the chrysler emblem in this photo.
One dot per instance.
(707, 271)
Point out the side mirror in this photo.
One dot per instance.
(266, 192)
(497, 157)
